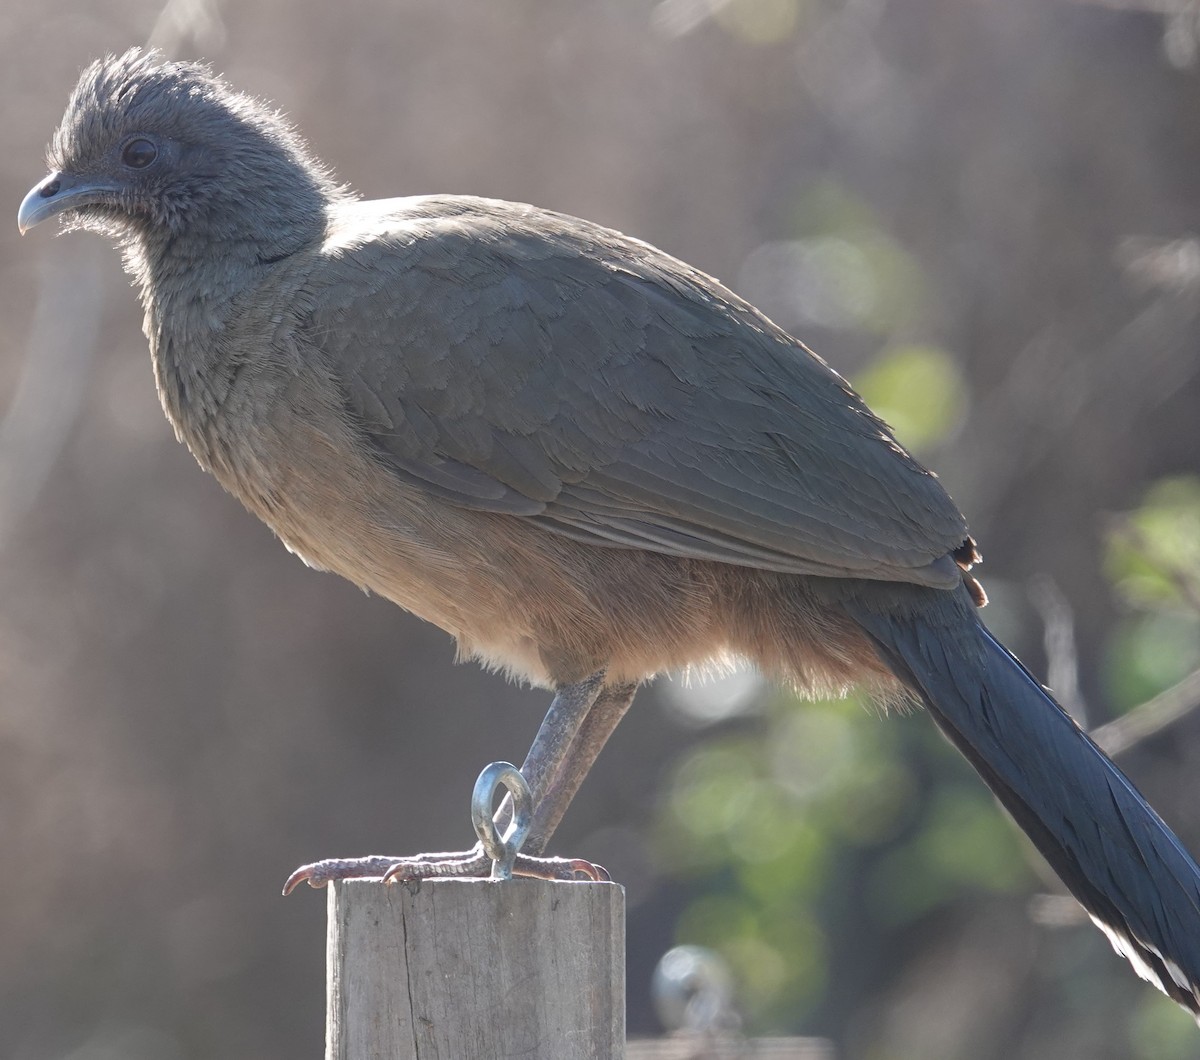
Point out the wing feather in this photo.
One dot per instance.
(523, 362)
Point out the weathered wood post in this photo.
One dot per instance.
(475, 970)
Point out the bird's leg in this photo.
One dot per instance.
(567, 743)
(593, 733)
(561, 756)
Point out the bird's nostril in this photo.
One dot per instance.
(49, 188)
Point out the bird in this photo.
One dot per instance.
(586, 460)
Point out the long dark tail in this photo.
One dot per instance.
(1110, 848)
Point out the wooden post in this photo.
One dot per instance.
(475, 970)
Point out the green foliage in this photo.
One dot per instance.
(961, 844)
(918, 390)
(1154, 552)
(878, 285)
(770, 825)
(1153, 560)
(1148, 653)
(1161, 1030)
(760, 21)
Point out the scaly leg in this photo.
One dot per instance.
(597, 726)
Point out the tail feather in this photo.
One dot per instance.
(1113, 852)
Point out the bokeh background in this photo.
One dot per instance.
(982, 211)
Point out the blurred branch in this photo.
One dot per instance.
(1150, 717)
(50, 390)
(181, 19)
(1171, 265)
(1045, 395)
(1058, 621)
(696, 1048)
(677, 17)
(1181, 32)
(1056, 911)
(1153, 7)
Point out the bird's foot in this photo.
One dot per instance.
(493, 857)
(466, 864)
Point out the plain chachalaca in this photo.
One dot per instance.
(583, 458)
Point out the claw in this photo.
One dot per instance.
(595, 873)
(319, 873)
(560, 869)
(304, 874)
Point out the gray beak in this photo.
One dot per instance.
(58, 192)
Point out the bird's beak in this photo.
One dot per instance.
(58, 192)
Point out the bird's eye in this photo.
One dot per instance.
(138, 154)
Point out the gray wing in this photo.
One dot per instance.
(517, 361)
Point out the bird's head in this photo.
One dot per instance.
(149, 147)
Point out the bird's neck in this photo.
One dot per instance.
(198, 296)
(193, 272)
(176, 270)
